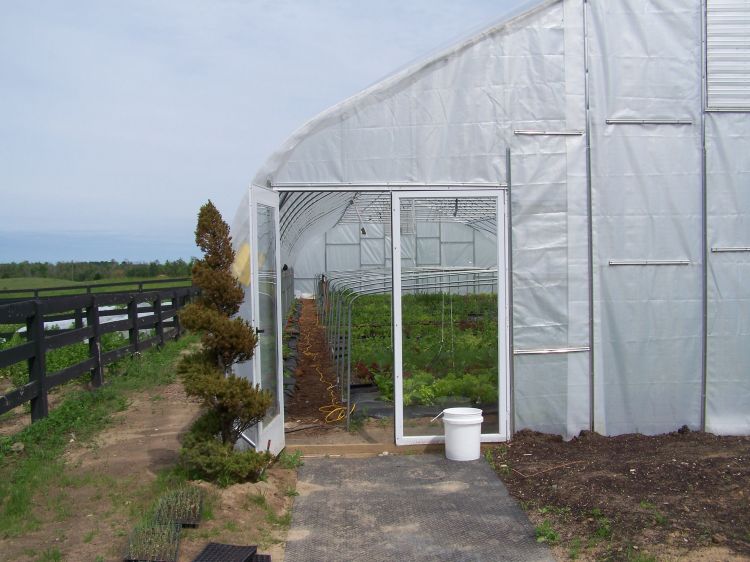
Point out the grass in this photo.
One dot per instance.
(40, 466)
(574, 549)
(152, 541)
(50, 555)
(545, 533)
(25, 284)
(59, 358)
(181, 505)
(260, 501)
(290, 460)
(603, 524)
(659, 518)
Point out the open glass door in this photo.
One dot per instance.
(265, 297)
(450, 311)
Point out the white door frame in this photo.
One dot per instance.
(272, 430)
(503, 312)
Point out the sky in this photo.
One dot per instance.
(118, 119)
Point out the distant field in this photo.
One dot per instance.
(25, 284)
(34, 283)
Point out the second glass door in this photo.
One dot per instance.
(449, 311)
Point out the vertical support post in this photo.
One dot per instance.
(704, 221)
(38, 363)
(133, 318)
(78, 317)
(95, 348)
(176, 306)
(509, 293)
(589, 215)
(158, 320)
(349, 367)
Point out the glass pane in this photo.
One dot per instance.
(266, 248)
(449, 318)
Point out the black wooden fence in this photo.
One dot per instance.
(150, 310)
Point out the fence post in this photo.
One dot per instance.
(158, 321)
(95, 347)
(176, 317)
(38, 363)
(133, 317)
(78, 316)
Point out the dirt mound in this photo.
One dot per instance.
(681, 491)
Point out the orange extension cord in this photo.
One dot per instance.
(335, 411)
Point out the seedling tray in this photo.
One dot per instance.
(181, 506)
(217, 552)
(153, 543)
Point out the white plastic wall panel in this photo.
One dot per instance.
(545, 408)
(343, 234)
(373, 252)
(456, 232)
(428, 251)
(645, 63)
(540, 266)
(408, 250)
(728, 54)
(342, 257)
(308, 264)
(428, 229)
(728, 377)
(457, 254)
(375, 230)
(485, 250)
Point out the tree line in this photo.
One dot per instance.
(95, 270)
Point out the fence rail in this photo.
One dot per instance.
(86, 311)
(147, 284)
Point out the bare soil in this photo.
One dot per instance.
(110, 483)
(315, 372)
(683, 495)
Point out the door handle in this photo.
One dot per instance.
(259, 331)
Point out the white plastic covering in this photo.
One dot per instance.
(638, 306)
(728, 377)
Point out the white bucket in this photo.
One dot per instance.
(463, 428)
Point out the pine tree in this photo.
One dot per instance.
(232, 403)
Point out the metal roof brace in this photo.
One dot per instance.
(721, 250)
(649, 121)
(361, 222)
(649, 262)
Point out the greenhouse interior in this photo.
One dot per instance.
(549, 220)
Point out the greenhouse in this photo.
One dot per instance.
(549, 220)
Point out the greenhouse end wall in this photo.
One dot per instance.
(630, 250)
